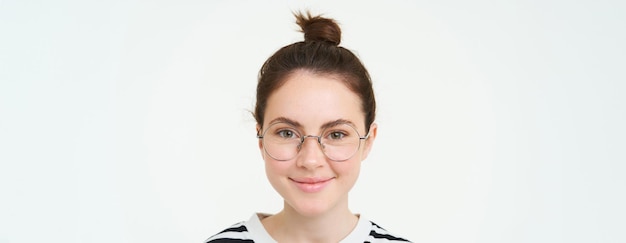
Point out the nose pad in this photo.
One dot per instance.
(312, 156)
(317, 139)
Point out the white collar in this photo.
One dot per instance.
(258, 232)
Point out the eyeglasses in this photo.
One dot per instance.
(282, 141)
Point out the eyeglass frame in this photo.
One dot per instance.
(319, 141)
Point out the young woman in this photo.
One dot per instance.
(315, 111)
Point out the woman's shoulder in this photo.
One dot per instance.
(235, 233)
(245, 231)
(380, 234)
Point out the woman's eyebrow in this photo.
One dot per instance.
(337, 122)
(285, 120)
(299, 126)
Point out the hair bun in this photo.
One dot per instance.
(318, 28)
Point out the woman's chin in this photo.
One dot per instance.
(310, 209)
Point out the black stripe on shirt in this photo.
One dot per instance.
(386, 236)
(374, 234)
(229, 240)
(238, 229)
(241, 228)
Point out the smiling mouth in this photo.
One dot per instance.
(311, 180)
(311, 185)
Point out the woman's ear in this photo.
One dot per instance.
(369, 142)
(259, 131)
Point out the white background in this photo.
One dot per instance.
(128, 121)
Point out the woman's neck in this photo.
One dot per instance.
(290, 226)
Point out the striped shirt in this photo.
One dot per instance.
(253, 231)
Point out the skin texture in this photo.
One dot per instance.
(311, 100)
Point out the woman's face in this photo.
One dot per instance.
(310, 182)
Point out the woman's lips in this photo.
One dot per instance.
(311, 185)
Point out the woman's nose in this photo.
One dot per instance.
(310, 155)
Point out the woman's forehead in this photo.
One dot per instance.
(312, 101)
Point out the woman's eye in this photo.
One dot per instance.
(286, 134)
(336, 135)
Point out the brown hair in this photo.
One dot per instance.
(319, 53)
